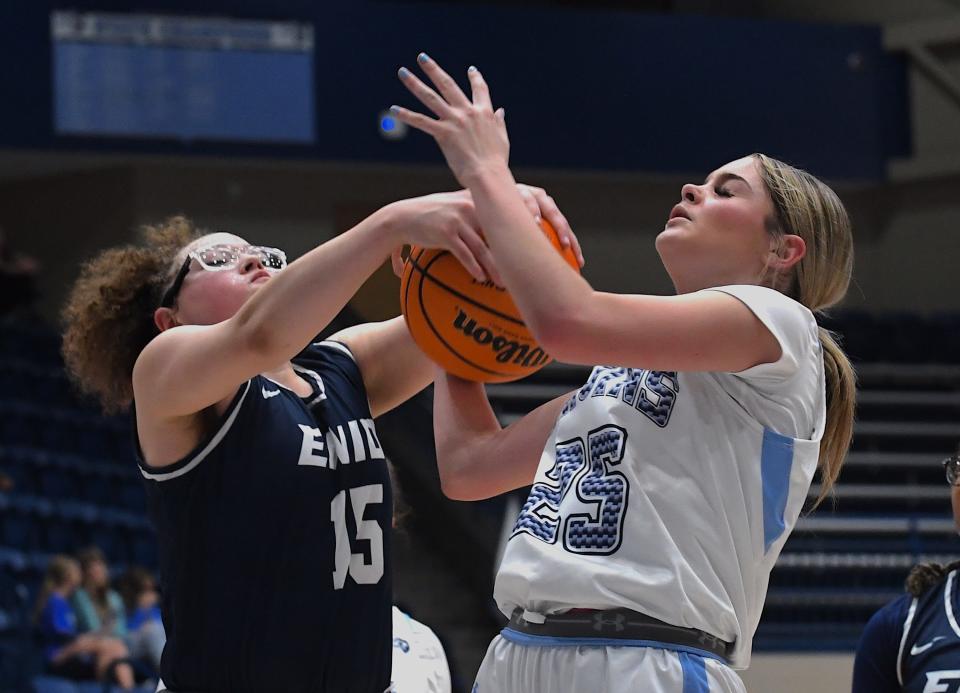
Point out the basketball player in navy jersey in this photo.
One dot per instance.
(912, 645)
(266, 480)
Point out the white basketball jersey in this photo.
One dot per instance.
(672, 493)
(419, 663)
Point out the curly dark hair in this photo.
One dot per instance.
(925, 575)
(108, 317)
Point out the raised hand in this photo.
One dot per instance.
(472, 136)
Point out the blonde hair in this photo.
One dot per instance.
(806, 207)
(56, 576)
(108, 316)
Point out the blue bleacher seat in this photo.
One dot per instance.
(18, 529)
(143, 549)
(60, 535)
(53, 684)
(94, 486)
(12, 561)
(92, 687)
(55, 482)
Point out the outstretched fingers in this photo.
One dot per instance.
(444, 83)
(427, 96)
(416, 120)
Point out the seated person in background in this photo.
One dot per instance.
(99, 608)
(912, 643)
(145, 634)
(67, 653)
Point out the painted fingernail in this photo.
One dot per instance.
(394, 110)
(422, 58)
(472, 68)
(403, 73)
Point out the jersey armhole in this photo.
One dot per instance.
(339, 346)
(194, 458)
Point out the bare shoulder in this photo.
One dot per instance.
(164, 438)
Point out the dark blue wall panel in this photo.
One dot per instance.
(583, 89)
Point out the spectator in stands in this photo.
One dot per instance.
(264, 474)
(145, 634)
(67, 652)
(913, 643)
(99, 609)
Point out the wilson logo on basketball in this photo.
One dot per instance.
(470, 327)
(507, 350)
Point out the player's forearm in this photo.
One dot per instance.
(296, 304)
(544, 287)
(394, 368)
(465, 428)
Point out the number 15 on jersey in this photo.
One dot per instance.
(345, 561)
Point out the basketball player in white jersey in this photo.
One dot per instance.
(664, 489)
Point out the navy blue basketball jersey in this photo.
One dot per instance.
(274, 541)
(912, 644)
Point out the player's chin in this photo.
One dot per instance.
(671, 242)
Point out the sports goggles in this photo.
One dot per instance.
(220, 257)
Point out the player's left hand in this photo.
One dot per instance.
(472, 136)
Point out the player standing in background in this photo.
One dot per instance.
(265, 477)
(665, 488)
(912, 645)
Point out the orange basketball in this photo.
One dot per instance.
(471, 329)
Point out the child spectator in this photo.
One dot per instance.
(145, 634)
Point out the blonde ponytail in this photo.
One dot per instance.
(841, 382)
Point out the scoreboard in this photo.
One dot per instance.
(183, 78)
